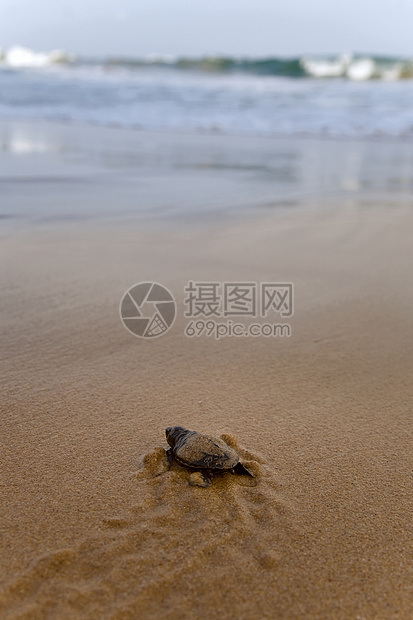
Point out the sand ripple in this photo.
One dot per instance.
(178, 549)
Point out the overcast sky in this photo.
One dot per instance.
(196, 27)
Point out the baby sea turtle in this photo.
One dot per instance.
(201, 453)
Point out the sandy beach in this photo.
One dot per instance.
(324, 416)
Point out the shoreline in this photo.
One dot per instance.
(304, 136)
(62, 171)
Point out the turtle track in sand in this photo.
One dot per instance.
(181, 551)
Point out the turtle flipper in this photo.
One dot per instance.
(169, 457)
(240, 469)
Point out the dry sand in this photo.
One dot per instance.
(89, 531)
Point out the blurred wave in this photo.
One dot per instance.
(346, 96)
(353, 67)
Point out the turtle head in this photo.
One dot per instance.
(173, 433)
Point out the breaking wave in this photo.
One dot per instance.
(353, 67)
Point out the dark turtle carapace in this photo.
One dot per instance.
(202, 453)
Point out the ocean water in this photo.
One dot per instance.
(344, 96)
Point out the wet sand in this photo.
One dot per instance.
(323, 417)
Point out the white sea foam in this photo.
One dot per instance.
(326, 68)
(345, 66)
(357, 69)
(361, 70)
(19, 56)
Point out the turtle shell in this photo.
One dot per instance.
(197, 451)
